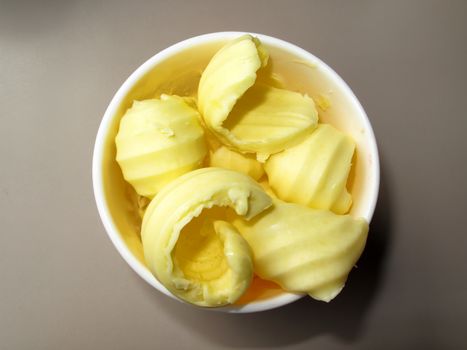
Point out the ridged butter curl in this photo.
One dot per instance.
(305, 250)
(159, 140)
(315, 172)
(195, 265)
(245, 115)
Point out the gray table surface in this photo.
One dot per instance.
(64, 286)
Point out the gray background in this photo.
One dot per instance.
(64, 286)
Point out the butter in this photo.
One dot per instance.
(323, 102)
(207, 262)
(207, 231)
(224, 157)
(159, 140)
(304, 250)
(267, 120)
(229, 74)
(249, 116)
(212, 254)
(314, 173)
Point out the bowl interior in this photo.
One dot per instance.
(177, 70)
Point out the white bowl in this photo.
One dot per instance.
(177, 70)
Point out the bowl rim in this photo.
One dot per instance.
(98, 154)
